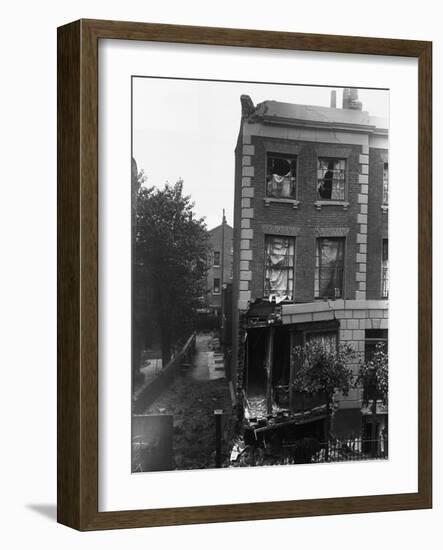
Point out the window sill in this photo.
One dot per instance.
(384, 208)
(327, 298)
(318, 204)
(294, 202)
(283, 302)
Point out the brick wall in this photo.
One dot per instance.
(355, 317)
(377, 221)
(306, 221)
(232, 374)
(361, 220)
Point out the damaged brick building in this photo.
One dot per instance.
(310, 249)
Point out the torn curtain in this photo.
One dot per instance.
(279, 268)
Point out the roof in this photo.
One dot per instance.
(277, 112)
(219, 227)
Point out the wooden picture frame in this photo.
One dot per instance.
(78, 274)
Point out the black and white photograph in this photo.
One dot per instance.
(219, 311)
(260, 274)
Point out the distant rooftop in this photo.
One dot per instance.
(227, 226)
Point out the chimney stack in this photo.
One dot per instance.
(333, 99)
(350, 99)
(247, 106)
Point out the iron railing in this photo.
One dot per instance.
(341, 449)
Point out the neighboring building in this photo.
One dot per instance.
(220, 265)
(310, 243)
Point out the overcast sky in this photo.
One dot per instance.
(188, 129)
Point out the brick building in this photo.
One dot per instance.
(220, 264)
(310, 241)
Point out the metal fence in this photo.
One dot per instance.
(344, 449)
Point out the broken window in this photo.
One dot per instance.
(331, 177)
(385, 269)
(216, 258)
(329, 265)
(385, 183)
(279, 268)
(281, 176)
(216, 286)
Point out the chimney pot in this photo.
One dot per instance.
(350, 99)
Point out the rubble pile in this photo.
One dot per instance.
(273, 453)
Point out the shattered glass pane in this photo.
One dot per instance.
(281, 177)
(331, 176)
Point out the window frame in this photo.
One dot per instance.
(385, 188)
(288, 157)
(317, 275)
(294, 241)
(311, 328)
(321, 200)
(214, 292)
(218, 264)
(375, 340)
(309, 334)
(384, 272)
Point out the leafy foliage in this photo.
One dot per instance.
(373, 375)
(323, 368)
(170, 263)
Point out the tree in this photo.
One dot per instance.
(323, 370)
(137, 180)
(373, 378)
(170, 264)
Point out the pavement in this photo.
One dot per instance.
(208, 363)
(191, 399)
